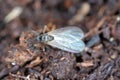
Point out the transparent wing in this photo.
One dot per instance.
(72, 31)
(68, 39)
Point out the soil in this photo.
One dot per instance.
(22, 57)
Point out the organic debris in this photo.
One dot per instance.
(22, 57)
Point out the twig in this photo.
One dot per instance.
(5, 72)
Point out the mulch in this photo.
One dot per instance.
(23, 58)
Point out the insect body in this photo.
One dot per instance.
(68, 39)
(45, 38)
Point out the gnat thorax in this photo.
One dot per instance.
(44, 38)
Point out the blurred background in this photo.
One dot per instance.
(17, 16)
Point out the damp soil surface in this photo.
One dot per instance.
(23, 57)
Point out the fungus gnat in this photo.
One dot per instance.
(68, 39)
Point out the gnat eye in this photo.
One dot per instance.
(38, 38)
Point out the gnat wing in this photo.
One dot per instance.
(68, 39)
(72, 30)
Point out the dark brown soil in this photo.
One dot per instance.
(23, 58)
